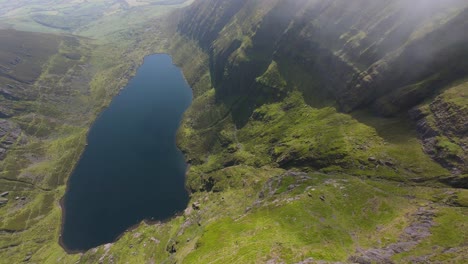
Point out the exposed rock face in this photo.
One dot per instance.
(410, 238)
(357, 61)
(386, 55)
(10, 134)
(443, 127)
(3, 201)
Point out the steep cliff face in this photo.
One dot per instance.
(290, 158)
(360, 50)
(388, 56)
(208, 18)
(305, 88)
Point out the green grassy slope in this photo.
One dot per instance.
(94, 18)
(279, 73)
(52, 88)
(53, 126)
(277, 173)
(397, 58)
(443, 124)
(298, 183)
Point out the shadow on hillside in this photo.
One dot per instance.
(395, 130)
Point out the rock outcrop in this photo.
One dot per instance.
(443, 127)
(388, 56)
(10, 134)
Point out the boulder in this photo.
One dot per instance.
(3, 201)
(196, 205)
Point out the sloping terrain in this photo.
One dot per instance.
(386, 56)
(320, 132)
(22, 57)
(97, 19)
(443, 126)
(291, 158)
(313, 86)
(43, 119)
(52, 88)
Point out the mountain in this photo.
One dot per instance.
(308, 97)
(320, 131)
(387, 56)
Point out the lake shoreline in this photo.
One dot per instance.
(148, 220)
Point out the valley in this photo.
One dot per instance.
(319, 132)
(122, 170)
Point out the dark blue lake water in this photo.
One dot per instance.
(131, 169)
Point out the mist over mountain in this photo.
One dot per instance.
(388, 56)
(320, 131)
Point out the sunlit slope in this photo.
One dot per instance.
(45, 81)
(386, 56)
(291, 157)
(52, 86)
(292, 160)
(329, 86)
(94, 18)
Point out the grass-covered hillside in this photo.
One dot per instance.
(320, 131)
(84, 17)
(388, 56)
(43, 129)
(52, 87)
(336, 88)
(281, 170)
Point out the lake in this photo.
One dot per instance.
(131, 169)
